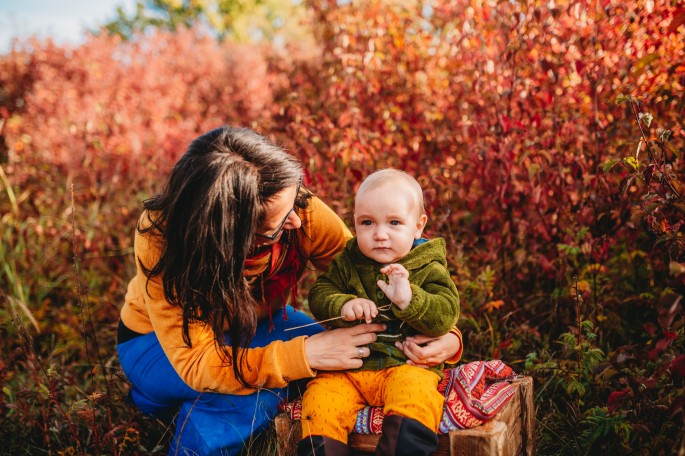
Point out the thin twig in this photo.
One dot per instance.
(312, 324)
(380, 308)
(27, 340)
(649, 149)
(88, 325)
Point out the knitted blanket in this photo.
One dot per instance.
(474, 393)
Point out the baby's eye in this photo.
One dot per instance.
(365, 222)
(395, 222)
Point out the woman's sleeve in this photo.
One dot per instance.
(457, 356)
(200, 365)
(324, 234)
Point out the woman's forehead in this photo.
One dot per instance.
(279, 205)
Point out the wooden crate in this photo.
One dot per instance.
(509, 433)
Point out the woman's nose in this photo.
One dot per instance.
(294, 221)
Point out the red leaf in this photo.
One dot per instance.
(647, 174)
(677, 368)
(678, 20)
(616, 398)
(663, 344)
(649, 328)
(505, 343)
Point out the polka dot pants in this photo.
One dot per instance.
(332, 399)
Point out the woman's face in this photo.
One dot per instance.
(280, 216)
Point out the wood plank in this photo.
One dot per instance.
(527, 415)
(487, 439)
(510, 413)
(513, 439)
(364, 444)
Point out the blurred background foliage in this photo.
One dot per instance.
(236, 20)
(548, 138)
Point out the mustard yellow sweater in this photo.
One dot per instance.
(321, 237)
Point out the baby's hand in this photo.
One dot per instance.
(397, 289)
(358, 309)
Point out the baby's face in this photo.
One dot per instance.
(387, 220)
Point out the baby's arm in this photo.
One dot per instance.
(434, 306)
(398, 288)
(330, 293)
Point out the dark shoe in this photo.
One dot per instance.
(405, 437)
(316, 445)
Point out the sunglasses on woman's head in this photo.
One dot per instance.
(277, 232)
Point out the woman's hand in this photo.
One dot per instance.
(425, 351)
(339, 349)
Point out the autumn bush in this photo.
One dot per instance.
(548, 139)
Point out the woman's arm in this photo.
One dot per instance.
(323, 234)
(200, 364)
(272, 366)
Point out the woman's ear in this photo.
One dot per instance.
(420, 225)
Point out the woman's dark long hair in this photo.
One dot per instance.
(207, 215)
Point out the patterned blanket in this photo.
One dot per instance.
(474, 393)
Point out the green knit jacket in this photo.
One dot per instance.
(433, 309)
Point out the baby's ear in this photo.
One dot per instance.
(420, 225)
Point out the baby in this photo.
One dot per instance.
(390, 274)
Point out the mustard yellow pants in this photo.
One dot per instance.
(332, 399)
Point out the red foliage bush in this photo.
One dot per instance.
(506, 113)
(132, 105)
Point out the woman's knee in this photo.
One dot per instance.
(223, 424)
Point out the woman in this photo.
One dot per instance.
(202, 336)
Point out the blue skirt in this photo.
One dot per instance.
(206, 423)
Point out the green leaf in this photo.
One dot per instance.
(531, 358)
(646, 118)
(607, 165)
(587, 325)
(44, 391)
(664, 135)
(575, 386)
(644, 62)
(621, 99)
(78, 405)
(592, 358)
(567, 339)
(632, 162)
(582, 232)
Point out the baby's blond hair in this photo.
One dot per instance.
(383, 176)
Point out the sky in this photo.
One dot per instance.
(64, 20)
